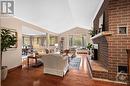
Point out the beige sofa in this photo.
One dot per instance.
(55, 64)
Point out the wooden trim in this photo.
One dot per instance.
(129, 66)
(12, 69)
(128, 54)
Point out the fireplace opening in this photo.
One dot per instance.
(95, 52)
(122, 69)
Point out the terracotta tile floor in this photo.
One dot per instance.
(35, 77)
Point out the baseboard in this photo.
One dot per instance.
(12, 69)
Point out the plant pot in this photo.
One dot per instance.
(4, 72)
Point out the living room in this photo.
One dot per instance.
(65, 43)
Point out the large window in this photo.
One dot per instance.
(77, 41)
(53, 40)
(26, 40)
(37, 41)
(70, 40)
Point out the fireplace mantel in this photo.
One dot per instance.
(104, 33)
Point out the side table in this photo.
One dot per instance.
(32, 57)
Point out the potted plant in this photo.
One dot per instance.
(92, 33)
(7, 40)
(89, 46)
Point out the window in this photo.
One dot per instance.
(100, 23)
(71, 41)
(52, 41)
(122, 30)
(38, 40)
(35, 41)
(26, 40)
(77, 41)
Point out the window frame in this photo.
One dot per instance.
(118, 27)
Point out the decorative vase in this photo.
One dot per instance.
(4, 72)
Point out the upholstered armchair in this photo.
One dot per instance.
(55, 64)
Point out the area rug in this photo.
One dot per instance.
(74, 63)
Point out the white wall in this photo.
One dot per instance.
(12, 58)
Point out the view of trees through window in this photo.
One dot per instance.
(39, 41)
(26, 41)
(52, 40)
(77, 41)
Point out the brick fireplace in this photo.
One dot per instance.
(112, 28)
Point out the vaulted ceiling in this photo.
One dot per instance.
(58, 15)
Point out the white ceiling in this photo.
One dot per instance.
(58, 15)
